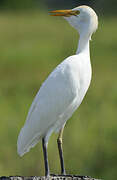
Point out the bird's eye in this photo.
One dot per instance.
(76, 12)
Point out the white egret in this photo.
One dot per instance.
(63, 91)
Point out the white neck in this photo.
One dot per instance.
(83, 45)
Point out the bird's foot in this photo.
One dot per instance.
(69, 175)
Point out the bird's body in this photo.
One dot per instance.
(64, 89)
(59, 96)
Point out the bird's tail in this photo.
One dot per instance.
(26, 140)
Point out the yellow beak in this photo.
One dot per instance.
(66, 13)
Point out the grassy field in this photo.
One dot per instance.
(31, 45)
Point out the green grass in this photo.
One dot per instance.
(31, 45)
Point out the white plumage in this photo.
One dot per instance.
(57, 99)
(64, 89)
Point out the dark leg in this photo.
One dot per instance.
(44, 145)
(59, 142)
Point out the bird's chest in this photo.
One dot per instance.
(76, 84)
(81, 77)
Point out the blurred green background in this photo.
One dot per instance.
(31, 44)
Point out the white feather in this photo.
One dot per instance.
(57, 99)
(61, 93)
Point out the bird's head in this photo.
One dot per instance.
(82, 18)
